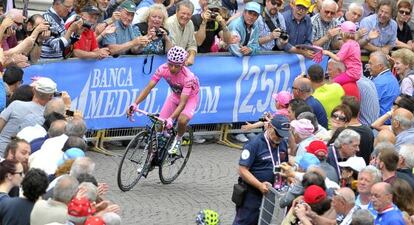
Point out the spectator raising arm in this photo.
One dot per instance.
(26, 45)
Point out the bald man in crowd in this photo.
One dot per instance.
(302, 89)
(381, 198)
(385, 135)
(402, 126)
(344, 205)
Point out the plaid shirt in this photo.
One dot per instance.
(320, 29)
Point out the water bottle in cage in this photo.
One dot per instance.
(162, 140)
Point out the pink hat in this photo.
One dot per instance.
(283, 98)
(302, 127)
(348, 27)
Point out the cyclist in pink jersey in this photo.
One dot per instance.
(182, 102)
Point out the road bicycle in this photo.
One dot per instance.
(149, 149)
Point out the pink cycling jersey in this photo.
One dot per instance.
(184, 82)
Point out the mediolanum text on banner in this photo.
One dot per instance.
(232, 89)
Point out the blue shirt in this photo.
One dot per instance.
(256, 157)
(237, 26)
(299, 33)
(121, 35)
(3, 94)
(318, 110)
(369, 207)
(388, 34)
(387, 89)
(392, 216)
(369, 101)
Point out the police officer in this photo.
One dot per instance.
(256, 167)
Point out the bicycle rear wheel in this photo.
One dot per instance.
(172, 166)
(135, 161)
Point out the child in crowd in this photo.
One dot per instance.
(349, 55)
(282, 100)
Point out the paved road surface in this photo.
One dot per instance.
(206, 182)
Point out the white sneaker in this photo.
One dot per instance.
(242, 138)
(198, 139)
(175, 148)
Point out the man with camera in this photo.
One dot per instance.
(12, 116)
(87, 46)
(54, 46)
(273, 35)
(258, 166)
(126, 39)
(208, 25)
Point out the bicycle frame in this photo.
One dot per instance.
(152, 130)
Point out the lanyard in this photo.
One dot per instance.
(270, 151)
(336, 160)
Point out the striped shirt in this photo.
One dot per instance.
(369, 101)
(53, 47)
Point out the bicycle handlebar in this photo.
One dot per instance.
(150, 115)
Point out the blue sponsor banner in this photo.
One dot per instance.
(232, 89)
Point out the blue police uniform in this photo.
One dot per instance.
(257, 158)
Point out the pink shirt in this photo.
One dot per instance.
(184, 82)
(350, 55)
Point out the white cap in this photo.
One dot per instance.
(356, 163)
(45, 85)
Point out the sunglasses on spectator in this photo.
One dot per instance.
(403, 12)
(339, 117)
(276, 3)
(327, 12)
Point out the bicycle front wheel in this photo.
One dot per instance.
(135, 161)
(172, 166)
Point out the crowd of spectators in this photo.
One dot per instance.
(352, 171)
(45, 177)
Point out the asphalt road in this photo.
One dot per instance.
(206, 182)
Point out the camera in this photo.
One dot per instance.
(158, 33)
(214, 12)
(85, 23)
(57, 94)
(277, 169)
(284, 35)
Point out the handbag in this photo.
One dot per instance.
(239, 192)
